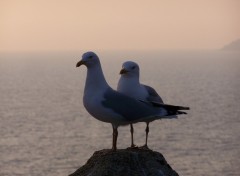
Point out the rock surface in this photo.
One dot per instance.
(124, 162)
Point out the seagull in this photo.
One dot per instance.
(130, 85)
(110, 106)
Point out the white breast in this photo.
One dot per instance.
(132, 88)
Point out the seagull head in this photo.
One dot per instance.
(130, 68)
(89, 59)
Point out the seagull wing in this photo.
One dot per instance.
(131, 109)
(152, 95)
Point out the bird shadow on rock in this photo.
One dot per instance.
(126, 162)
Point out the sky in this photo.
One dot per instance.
(66, 25)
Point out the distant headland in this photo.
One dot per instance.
(233, 46)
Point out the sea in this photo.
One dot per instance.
(46, 131)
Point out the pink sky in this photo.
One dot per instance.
(37, 25)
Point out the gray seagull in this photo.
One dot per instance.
(130, 85)
(110, 106)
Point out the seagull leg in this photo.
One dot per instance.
(115, 135)
(132, 131)
(147, 131)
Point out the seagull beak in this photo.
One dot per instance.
(123, 71)
(81, 62)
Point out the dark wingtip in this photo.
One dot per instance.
(181, 112)
(185, 108)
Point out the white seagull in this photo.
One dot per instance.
(108, 105)
(130, 85)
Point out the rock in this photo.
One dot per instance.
(124, 162)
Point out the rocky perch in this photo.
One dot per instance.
(124, 162)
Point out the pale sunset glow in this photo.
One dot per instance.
(31, 25)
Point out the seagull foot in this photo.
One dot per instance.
(133, 146)
(144, 147)
(114, 149)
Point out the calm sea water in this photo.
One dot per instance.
(45, 129)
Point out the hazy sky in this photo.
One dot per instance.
(36, 25)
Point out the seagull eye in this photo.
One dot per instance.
(133, 67)
(90, 57)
